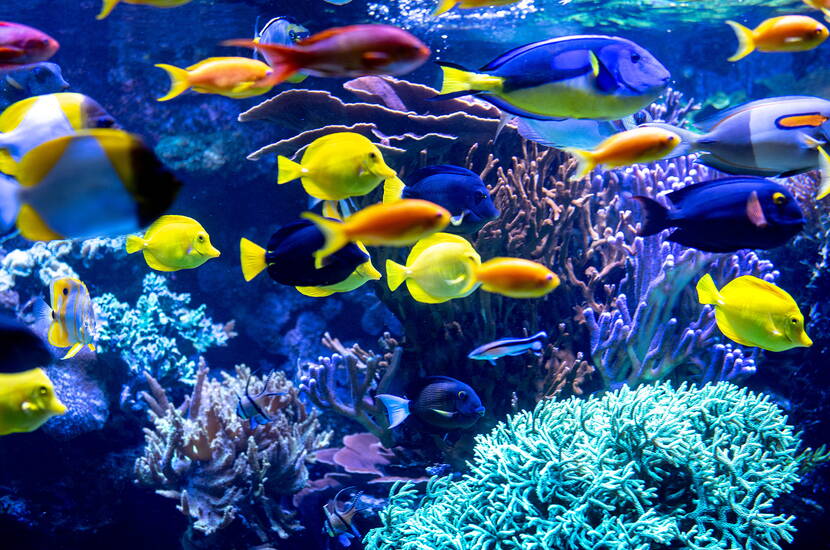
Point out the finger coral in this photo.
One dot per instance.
(697, 468)
(231, 481)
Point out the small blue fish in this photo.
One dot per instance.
(250, 407)
(457, 189)
(282, 31)
(339, 522)
(439, 401)
(508, 347)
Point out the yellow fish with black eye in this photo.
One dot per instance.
(439, 268)
(72, 316)
(173, 243)
(753, 312)
(362, 274)
(27, 401)
(339, 166)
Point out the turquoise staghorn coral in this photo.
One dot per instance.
(161, 334)
(652, 467)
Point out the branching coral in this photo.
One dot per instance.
(695, 468)
(158, 332)
(229, 479)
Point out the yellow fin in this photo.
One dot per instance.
(753, 285)
(166, 220)
(15, 113)
(330, 210)
(707, 292)
(594, 63)
(395, 274)
(134, 243)
(727, 330)
(288, 170)
(333, 232)
(746, 41)
(154, 262)
(32, 226)
(392, 189)
(252, 258)
(824, 173)
(57, 335)
(179, 81)
(7, 163)
(73, 351)
(314, 291)
(444, 6)
(106, 8)
(38, 162)
(585, 162)
(419, 295)
(459, 80)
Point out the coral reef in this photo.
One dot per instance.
(160, 334)
(684, 468)
(228, 478)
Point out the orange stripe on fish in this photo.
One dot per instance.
(802, 120)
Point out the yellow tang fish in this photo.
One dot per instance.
(339, 166)
(439, 268)
(645, 144)
(36, 120)
(95, 183)
(173, 243)
(516, 278)
(753, 312)
(235, 77)
(72, 316)
(27, 401)
(109, 5)
(446, 5)
(788, 33)
(364, 273)
(399, 223)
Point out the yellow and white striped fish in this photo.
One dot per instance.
(72, 316)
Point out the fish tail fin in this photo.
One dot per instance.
(395, 274)
(444, 6)
(333, 233)
(73, 351)
(824, 173)
(9, 202)
(288, 170)
(134, 244)
(585, 162)
(392, 189)
(252, 258)
(746, 41)
(179, 81)
(397, 408)
(457, 79)
(106, 8)
(655, 216)
(707, 292)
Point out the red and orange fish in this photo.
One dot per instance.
(21, 45)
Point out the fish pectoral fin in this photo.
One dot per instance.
(14, 83)
(242, 87)
(792, 40)
(458, 280)
(26, 407)
(755, 212)
(9, 52)
(374, 60)
(445, 414)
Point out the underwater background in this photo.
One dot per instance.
(152, 451)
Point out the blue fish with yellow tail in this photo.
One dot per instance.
(252, 407)
(774, 137)
(509, 347)
(586, 76)
(726, 215)
(71, 315)
(457, 189)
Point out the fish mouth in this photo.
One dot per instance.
(480, 411)
(213, 253)
(805, 340)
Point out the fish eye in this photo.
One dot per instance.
(373, 156)
(794, 320)
(480, 196)
(635, 57)
(200, 238)
(462, 395)
(779, 198)
(43, 390)
(65, 291)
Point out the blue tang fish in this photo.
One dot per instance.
(590, 76)
(21, 348)
(252, 407)
(457, 189)
(71, 316)
(289, 257)
(282, 31)
(726, 214)
(509, 346)
(339, 522)
(439, 401)
(779, 136)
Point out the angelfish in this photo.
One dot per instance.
(249, 407)
(509, 347)
(339, 522)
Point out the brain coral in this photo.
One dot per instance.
(652, 467)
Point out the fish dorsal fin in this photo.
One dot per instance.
(585, 41)
(324, 35)
(167, 220)
(15, 113)
(748, 283)
(709, 123)
(438, 169)
(204, 62)
(432, 240)
(39, 161)
(679, 195)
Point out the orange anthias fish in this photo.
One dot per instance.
(357, 50)
(22, 45)
(446, 5)
(788, 33)
(399, 223)
(235, 77)
(516, 278)
(109, 5)
(645, 144)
